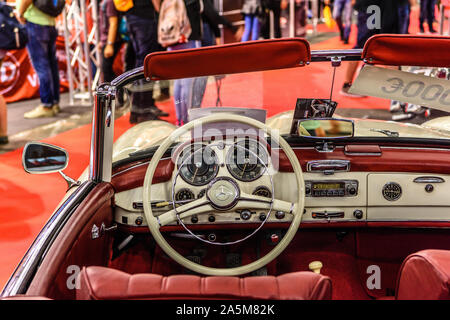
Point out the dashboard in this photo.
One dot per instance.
(341, 188)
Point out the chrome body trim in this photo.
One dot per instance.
(343, 55)
(102, 134)
(26, 269)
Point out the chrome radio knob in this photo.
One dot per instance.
(245, 214)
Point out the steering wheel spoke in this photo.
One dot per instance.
(198, 206)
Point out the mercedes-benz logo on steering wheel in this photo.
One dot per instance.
(223, 193)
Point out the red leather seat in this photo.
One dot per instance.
(425, 275)
(99, 283)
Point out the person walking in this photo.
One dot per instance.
(41, 47)
(251, 10)
(3, 110)
(142, 22)
(342, 13)
(389, 24)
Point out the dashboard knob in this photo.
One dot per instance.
(280, 215)
(358, 214)
(139, 221)
(245, 214)
(262, 216)
(211, 218)
(351, 191)
(194, 219)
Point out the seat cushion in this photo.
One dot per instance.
(99, 283)
(425, 275)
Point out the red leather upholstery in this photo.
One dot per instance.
(99, 283)
(231, 58)
(407, 50)
(425, 275)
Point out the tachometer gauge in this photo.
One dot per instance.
(246, 160)
(198, 164)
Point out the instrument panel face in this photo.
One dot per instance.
(198, 164)
(247, 160)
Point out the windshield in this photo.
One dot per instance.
(278, 92)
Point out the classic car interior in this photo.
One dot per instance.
(259, 214)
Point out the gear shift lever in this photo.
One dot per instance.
(315, 266)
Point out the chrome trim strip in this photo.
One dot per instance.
(25, 270)
(416, 148)
(344, 55)
(339, 165)
(428, 179)
(128, 77)
(369, 154)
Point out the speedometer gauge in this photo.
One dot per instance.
(246, 160)
(198, 164)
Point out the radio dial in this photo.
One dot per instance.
(351, 191)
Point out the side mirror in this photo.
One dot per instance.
(325, 129)
(38, 157)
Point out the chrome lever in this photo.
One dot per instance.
(429, 179)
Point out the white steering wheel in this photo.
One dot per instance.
(210, 203)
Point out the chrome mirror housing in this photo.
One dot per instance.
(38, 158)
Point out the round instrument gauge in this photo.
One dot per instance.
(262, 192)
(247, 159)
(184, 195)
(198, 164)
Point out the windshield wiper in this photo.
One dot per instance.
(386, 132)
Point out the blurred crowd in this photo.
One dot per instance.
(140, 27)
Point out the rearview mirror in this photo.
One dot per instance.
(38, 157)
(325, 128)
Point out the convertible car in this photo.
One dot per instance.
(234, 204)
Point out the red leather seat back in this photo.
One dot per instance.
(99, 283)
(425, 275)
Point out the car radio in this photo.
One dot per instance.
(331, 188)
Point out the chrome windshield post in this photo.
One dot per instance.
(100, 165)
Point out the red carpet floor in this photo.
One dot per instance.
(26, 201)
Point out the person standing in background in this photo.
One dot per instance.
(404, 11)
(183, 90)
(3, 111)
(427, 8)
(251, 10)
(364, 33)
(142, 21)
(273, 6)
(211, 36)
(109, 38)
(389, 24)
(342, 13)
(41, 47)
